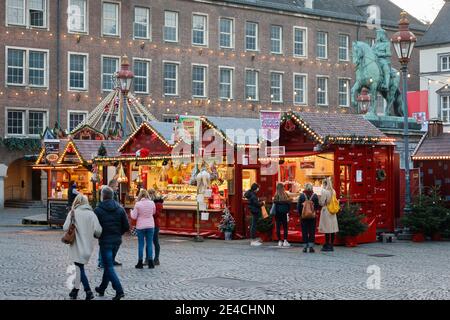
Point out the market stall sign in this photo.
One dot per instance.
(189, 129)
(270, 125)
(307, 165)
(52, 157)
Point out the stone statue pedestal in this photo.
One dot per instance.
(392, 123)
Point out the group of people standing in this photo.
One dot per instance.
(308, 206)
(108, 223)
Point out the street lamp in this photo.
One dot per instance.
(363, 101)
(404, 41)
(125, 77)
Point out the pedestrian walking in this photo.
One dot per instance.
(282, 203)
(159, 201)
(143, 212)
(307, 206)
(114, 222)
(72, 193)
(87, 228)
(254, 205)
(328, 222)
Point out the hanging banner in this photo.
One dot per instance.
(270, 125)
(189, 129)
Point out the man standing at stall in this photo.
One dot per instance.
(114, 222)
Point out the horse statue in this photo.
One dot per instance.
(369, 74)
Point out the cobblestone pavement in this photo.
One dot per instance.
(33, 264)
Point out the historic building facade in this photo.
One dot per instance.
(189, 56)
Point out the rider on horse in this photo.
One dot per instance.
(382, 49)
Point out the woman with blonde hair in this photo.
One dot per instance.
(87, 229)
(328, 222)
(282, 203)
(143, 212)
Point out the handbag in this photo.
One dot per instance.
(69, 235)
(264, 212)
(334, 206)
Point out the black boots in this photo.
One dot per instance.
(156, 262)
(151, 264)
(89, 295)
(305, 249)
(100, 292)
(74, 294)
(139, 265)
(118, 296)
(311, 250)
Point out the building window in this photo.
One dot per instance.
(77, 72)
(276, 87)
(344, 92)
(199, 81)
(26, 67)
(445, 109)
(299, 42)
(322, 45)
(110, 65)
(141, 76)
(445, 63)
(36, 122)
(170, 79)
(141, 23)
(77, 12)
(251, 36)
(111, 19)
(16, 122)
(299, 89)
(170, 26)
(251, 85)
(225, 83)
(276, 39)
(30, 13)
(226, 33)
(344, 41)
(75, 118)
(322, 91)
(169, 118)
(199, 30)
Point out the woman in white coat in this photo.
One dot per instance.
(87, 229)
(328, 222)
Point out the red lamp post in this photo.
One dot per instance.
(125, 77)
(364, 101)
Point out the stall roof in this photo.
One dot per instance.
(433, 148)
(334, 125)
(165, 131)
(88, 149)
(238, 130)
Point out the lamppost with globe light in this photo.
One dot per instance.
(125, 76)
(363, 101)
(404, 41)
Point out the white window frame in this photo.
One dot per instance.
(177, 80)
(205, 80)
(348, 80)
(101, 70)
(257, 84)
(149, 66)
(326, 45)
(280, 40)
(305, 89)
(232, 34)
(86, 72)
(347, 48)
(305, 41)
(26, 16)
(256, 36)
(86, 20)
(232, 69)
(149, 23)
(119, 9)
(71, 111)
(281, 74)
(441, 111)
(177, 20)
(26, 69)
(441, 62)
(205, 30)
(25, 122)
(327, 85)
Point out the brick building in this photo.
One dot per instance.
(189, 56)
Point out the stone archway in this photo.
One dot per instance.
(19, 181)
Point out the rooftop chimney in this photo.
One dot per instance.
(309, 4)
(435, 128)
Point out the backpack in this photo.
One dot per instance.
(334, 207)
(308, 211)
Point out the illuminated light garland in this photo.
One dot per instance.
(41, 155)
(145, 124)
(211, 126)
(139, 159)
(43, 167)
(70, 144)
(418, 158)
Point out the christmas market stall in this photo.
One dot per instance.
(346, 148)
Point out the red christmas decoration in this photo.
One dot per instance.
(289, 125)
(144, 152)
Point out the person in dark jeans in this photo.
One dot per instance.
(308, 224)
(282, 203)
(158, 200)
(254, 205)
(114, 222)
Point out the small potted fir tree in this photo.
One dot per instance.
(351, 224)
(227, 224)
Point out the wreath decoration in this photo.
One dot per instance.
(381, 175)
